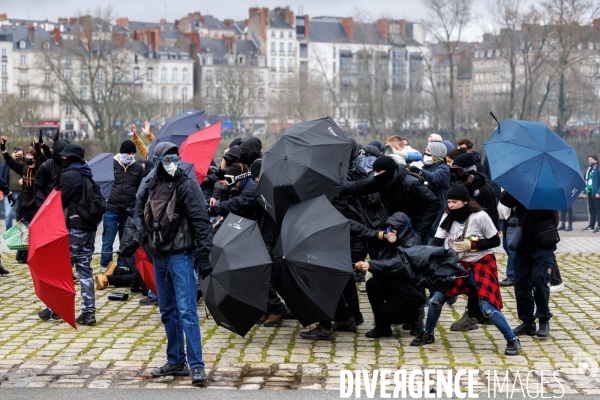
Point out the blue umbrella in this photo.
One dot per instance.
(177, 129)
(534, 165)
(104, 172)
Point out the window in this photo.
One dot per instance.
(150, 75)
(163, 75)
(175, 97)
(261, 77)
(149, 92)
(273, 64)
(23, 93)
(99, 97)
(3, 52)
(68, 63)
(22, 44)
(290, 35)
(184, 94)
(290, 48)
(136, 73)
(281, 80)
(163, 93)
(184, 75)
(272, 80)
(208, 75)
(100, 76)
(47, 94)
(281, 64)
(68, 77)
(22, 78)
(281, 35)
(4, 70)
(23, 61)
(273, 44)
(83, 93)
(175, 72)
(281, 50)
(219, 77)
(273, 97)
(47, 111)
(4, 87)
(273, 34)
(261, 94)
(209, 93)
(291, 64)
(219, 93)
(69, 109)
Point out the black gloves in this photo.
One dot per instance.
(129, 250)
(41, 138)
(202, 265)
(11, 199)
(3, 145)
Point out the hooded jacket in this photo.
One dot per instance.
(48, 174)
(251, 150)
(438, 176)
(71, 190)
(404, 193)
(127, 181)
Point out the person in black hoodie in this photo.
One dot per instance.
(250, 150)
(82, 234)
(48, 175)
(399, 191)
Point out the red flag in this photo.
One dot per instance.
(146, 269)
(49, 259)
(199, 149)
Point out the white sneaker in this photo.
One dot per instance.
(557, 288)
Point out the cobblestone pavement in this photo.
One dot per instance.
(129, 341)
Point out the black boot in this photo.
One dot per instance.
(513, 347)
(417, 325)
(135, 285)
(3, 271)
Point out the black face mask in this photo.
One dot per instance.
(29, 161)
(384, 177)
(57, 160)
(70, 160)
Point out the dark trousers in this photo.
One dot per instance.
(593, 209)
(344, 310)
(597, 208)
(532, 276)
(555, 278)
(388, 306)
(274, 303)
(567, 216)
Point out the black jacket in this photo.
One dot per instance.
(403, 193)
(127, 182)
(438, 176)
(71, 190)
(46, 179)
(27, 197)
(195, 232)
(480, 191)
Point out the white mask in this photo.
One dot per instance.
(427, 160)
(126, 158)
(171, 168)
(377, 173)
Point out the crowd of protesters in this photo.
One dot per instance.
(445, 199)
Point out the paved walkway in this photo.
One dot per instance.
(129, 341)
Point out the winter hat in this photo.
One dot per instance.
(384, 163)
(233, 153)
(128, 147)
(437, 149)
(371, 150)
(435, 137)
(448, 145)
(458, 191)
(379, 145)
(465, 160)
(74, 150)
(235, 142)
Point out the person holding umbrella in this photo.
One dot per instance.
(175, 224)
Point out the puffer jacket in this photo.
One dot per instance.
(127, 181)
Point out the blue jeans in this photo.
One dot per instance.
(510, 264)
(176, 286)
(9, 211)
(437, 301)
(113, 223)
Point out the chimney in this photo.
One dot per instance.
(163, 21)
(383, 25)
(123, 22)
(251, 11)
(31, 34)
(3, 17)
(56, 35)
(306, 27)
(228, 23)
(246, 22)
(155, 38)
(403, 29)
(348, 25)
(264, 20)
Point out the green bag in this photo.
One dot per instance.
(16, 237)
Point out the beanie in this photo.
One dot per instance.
(449, 145)
(438, 150)
(127, 147)
(458, 191)
(435, 137)
(465, 160)
(378, 144)
(384, 163)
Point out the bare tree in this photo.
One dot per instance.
(19, 115)
(450, 17)
(235, 90)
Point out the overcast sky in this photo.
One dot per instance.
(154, 10)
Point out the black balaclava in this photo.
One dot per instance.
(70, 160)
(58, 146)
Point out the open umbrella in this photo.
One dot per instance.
(49, 258)
(312, 259)
(199, 148)
(102, 167)
(146, 269)
(237, 290)
(177, 129)
(534, 165)
(310, 159)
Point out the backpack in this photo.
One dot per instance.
(160, 217)
(92, 205)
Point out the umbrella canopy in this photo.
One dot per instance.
(146, 269)
(177, 129)
(199, 148)
(49, 259)
(534, 165)
(104, 172)
(312, 259)
(237, 290)
(310, 159)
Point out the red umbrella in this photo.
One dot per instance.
(146, 269)
(199, 149)
(49, 259)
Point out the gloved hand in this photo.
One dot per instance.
(3, 144)
(203, 265)
(464, 245)
(41, 137)
(129, 250)
(11, 199)
(211, 211)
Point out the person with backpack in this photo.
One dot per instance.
(84, 207)
(175, 224)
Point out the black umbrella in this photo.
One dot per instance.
(312, 258)
(310, 159)
(103, 171)
(177, 129)
(237, 290)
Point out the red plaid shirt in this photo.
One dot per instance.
(486, 277)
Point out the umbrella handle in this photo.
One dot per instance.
(93, 254)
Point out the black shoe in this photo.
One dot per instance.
(507, 282)
(135, 285)
(561, 227)
(406, 327)
(198, 375)
(596, 230)
(569, 228)
(452, 300)
(87, 318)
(3, 271)
(513, 347)
(415, 331)
(588, 228)
(358, 319)
(344, 326)
(173, 370)
(359, 276)
(525, 329)
(149, 301)
(319, 333)
(544, 330)
(423, 339)
(46, 314)
(379, 332)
